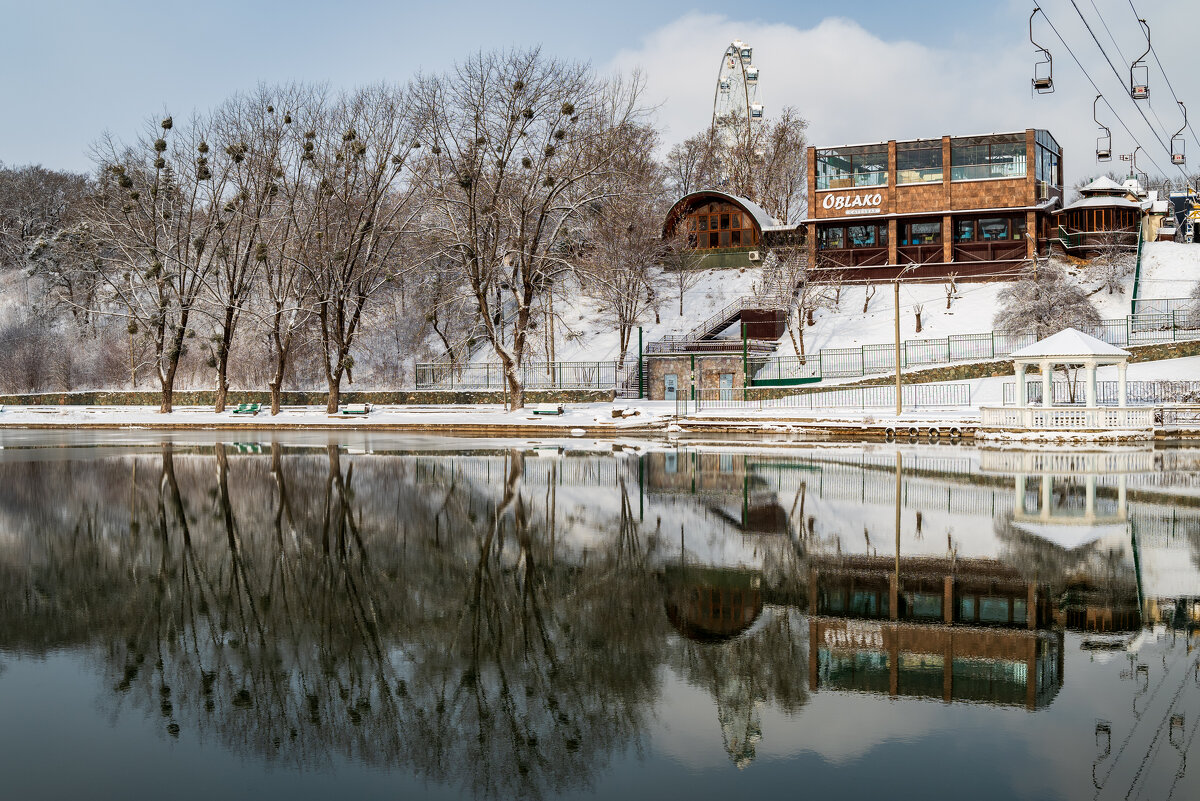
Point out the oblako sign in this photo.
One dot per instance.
(866, 203)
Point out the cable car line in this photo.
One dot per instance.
(1163, 70)
(1108, 60)
(1100, 92)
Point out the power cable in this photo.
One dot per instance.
(1099, 91)
(1163, 70)
(1121, 80)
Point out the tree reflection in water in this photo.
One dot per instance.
(307, 607)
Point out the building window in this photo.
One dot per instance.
(717, 225)
(1047, 158)
(919, 162)
(923, 232)
(867, 236)
(989, 229)
(831, 238)
(987, 157)
(848, 167)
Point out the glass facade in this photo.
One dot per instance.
(919, 162)
(1047, 158)
(979, 158)
(849, 167)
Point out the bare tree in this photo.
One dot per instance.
(361, 201)
(35, 204)
(868, 294)
(690, 164)
(624, 239)
(1043, 302)
(951, 288)
(520, 143)
(683, 262)
(917, 310)
(157, 211)
(249, 133)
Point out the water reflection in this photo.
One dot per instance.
(506, 621)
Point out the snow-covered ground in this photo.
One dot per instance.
(582, 336)
(1169, 270)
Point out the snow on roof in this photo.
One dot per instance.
(1103, 184)
(1069, 342)
(756, 211)
(1103, 201)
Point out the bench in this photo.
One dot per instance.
(548, 409)
(355, 410)
(247, 408)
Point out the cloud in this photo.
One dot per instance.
(856, 87)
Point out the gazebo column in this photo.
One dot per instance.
(1047, 384)
(1020, 372)
(1091, 383)
(1122, 385)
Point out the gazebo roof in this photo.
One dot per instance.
(1103, 185)
(1069, 343)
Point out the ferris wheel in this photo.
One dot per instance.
(736, 96)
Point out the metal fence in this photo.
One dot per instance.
(1139, 393)
(915, 396)
(536, 375)
(1176, 322)
(1177, 325)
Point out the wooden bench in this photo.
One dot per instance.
(247, 408)
(548, 409)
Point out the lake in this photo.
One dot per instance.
(359, 615)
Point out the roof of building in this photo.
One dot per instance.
(1069, 343)
(1103, 202)
(1103, 185)
(761, 218)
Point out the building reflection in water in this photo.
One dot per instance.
(500, 620)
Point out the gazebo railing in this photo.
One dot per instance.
(1082, 419)
(1140, 393)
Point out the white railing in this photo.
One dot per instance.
(1094, 418)
(1068, 462)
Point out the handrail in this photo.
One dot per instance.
(1137, 274)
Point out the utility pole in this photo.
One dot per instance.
(899, 406)
(896, 287)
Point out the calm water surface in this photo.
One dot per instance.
(375, 617)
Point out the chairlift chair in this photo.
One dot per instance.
(1139, 71)
(1178, 145)
(1104, 141)
(1043, 71)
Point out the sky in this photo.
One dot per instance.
(859, 72)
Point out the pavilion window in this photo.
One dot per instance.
(964, 230)
(919, 162)
(988, 157)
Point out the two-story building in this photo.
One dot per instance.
(977, 206)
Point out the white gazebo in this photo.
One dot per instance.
(1073, 347)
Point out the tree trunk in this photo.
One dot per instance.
(516, 390)
(334, 380)
(167, 377)
(223, 360)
